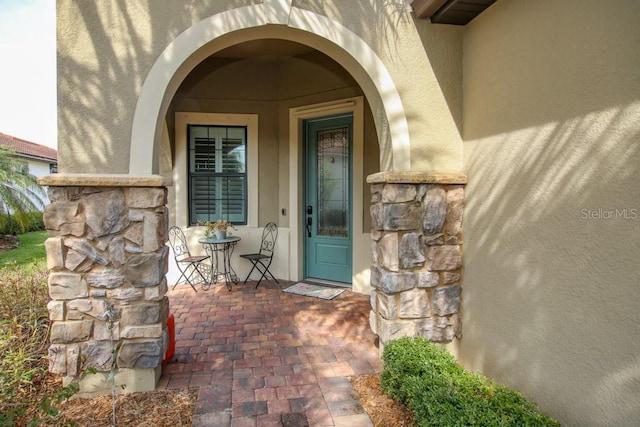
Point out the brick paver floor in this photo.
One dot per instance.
(263, 357)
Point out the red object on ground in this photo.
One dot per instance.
(171, 348)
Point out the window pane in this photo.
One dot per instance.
(217, 159)
(233, 154)
(333, 181)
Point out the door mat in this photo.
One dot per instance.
(313, 291)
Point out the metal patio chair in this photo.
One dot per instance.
(192, 267)
(263, 258)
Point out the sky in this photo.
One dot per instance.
(28, 70)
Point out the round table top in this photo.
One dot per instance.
(215, 241)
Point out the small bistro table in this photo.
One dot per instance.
(220, 251)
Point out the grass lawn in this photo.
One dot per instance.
(31, 249)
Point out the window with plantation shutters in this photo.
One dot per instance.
(217, 173)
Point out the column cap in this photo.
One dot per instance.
(104, 180)
(417, 178)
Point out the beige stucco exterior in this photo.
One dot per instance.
(538, 103)
(551, 125)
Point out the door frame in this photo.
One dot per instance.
(312, 178)
(297, 115)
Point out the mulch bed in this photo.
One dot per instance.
(158, 408)
(164, 408)
(383, 410)
(8, 243)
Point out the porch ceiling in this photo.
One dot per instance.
(264, 47)
(455, 12)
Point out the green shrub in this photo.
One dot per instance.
(32, 222)
(427, 379)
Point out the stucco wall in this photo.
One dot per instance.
(106, 51)
(552, 220)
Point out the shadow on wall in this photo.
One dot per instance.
(99, 94)
(552, 235)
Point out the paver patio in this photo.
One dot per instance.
(263, 357)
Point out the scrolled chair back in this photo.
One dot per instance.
(269, 236)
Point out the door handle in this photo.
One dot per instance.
(308, 224)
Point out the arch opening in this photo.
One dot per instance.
(265, 21)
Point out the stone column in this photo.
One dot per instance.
(417, 253)
(107, 262)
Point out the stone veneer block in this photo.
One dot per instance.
(387, 253)
(398, 193)
(56, 310)
(151, 331)
(125, 294)
(436, 329)
(402, 217)
(449, 277)
(86, 249)
(393, 329)
(66, 286)
(55, 253)
(411, 251)
(455, 205)
(58, 359)
(146, 269)
(106, 279)
(140, 354)
(105, 331)
(414, 304)
(156, 293)
(428, 279)
(152, 231)
(135, 233)
(146, 198)
(71, 331)
(98, 355)
(444, 258)
(377, 216)
(106, 212)
(435, 210)
(387, 305)
(446, 300)
(64, 217)
(73, 360)
(117, 254)
(94, 308)
(398, 282)
(140, 314)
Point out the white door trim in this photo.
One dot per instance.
(296, 179)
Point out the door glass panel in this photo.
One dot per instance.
(333, 181)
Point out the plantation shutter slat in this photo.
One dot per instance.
(217, 173)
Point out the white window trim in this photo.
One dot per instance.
(181, 174)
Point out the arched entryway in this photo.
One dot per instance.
(329, 45)
(272, 19)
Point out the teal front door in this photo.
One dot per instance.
(327, 212)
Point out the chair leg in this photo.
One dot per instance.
(182, 275)
(188, 275)
(265, 272)
(251, 271)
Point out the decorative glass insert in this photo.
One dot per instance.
(217, 173)
(333, 182)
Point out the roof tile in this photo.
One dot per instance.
(27, 148)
